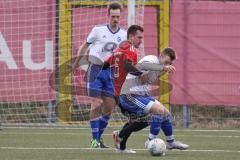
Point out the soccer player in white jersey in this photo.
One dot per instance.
(102, 41)
(137, 102)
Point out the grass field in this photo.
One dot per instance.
(73, 144)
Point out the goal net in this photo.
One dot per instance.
(38, 40)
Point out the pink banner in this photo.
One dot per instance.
(206, 38)
(27, 41)
(204, 34)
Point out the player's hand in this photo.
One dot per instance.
(169, 68)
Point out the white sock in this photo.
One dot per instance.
(170, 139)
(151, 136)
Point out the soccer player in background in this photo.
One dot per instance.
(136, 101)
(102, 41)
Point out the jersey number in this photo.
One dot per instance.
(116, 67)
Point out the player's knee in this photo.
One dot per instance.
(158, 109)
(95, 106)
(94, 112)
(96, 102)
(108, 106)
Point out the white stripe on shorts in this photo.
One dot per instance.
(146, 108)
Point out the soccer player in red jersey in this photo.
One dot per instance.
(124, 58)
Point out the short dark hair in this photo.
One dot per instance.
(170, 52)
(114, 5)
(132, 30)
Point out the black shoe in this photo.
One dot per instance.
(102, 145)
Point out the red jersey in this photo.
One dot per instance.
(126, 51)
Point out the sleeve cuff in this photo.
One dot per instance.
(89, 42)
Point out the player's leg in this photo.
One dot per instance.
(107, 109)
(137, 106)
(167, 128)
(125, 133)
(158, 111)
(158, 108)
(142, 105)
(108, 102)
(155, 125)
(120, 137)
(164, 122)
(155, 108)
(94, 86)
(94, 122)
(116, 138)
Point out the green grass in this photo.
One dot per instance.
(69, 144)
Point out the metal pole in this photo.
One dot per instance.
(131, 12)
(186, 117)
(185, 76)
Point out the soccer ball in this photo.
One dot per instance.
(149, 59)
(157, 147)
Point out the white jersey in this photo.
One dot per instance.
(133, 85)
(103, 42)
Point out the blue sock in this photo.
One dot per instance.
(167, 128)
(95, 128)
(103, 122)
(155, 126)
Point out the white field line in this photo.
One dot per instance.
(60, 148)
(87, 128)
(77, 134)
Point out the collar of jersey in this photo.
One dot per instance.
(111, 30)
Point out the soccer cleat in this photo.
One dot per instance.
(117, 140)
(95, 144)
(125, 151)
(177, 145)
(102, 145)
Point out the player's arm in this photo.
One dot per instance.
(149, 66)
(92, 37)
(81, 51)
(146, 78)
(130, 68)
(155, 67)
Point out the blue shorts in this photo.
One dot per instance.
(136, 104)
(99, 81)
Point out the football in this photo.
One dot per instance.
(149, 59)
(157, 147)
